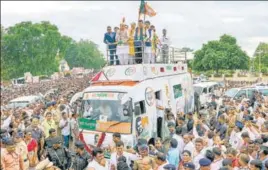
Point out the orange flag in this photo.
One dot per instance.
(149, 10)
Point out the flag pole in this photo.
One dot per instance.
(143, 40)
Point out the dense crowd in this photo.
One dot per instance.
(30, 128)
(62, 85)
(229, 134)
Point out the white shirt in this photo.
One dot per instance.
(197, 159)
(260, 121)
(74, 126)
(94, 164)
(161, 167)
(165, 40)
(180, 142)
(190, 147)
(216, 164)
(236, 140)
(6, 122)
(129, 157)
(67, 129)
(159, 112)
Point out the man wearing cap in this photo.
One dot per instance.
(169, 167)
(58, 154)
(21, 148)
(12, 160)
(81, 158)
(189, 166)
(204, 164)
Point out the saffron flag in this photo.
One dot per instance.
(149, 10)
(145, 9)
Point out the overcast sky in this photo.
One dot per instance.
(188, 23)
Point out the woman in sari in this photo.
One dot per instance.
(131, 43)
(32, 147)
(155, 43)
(186, 158)
(122, 49)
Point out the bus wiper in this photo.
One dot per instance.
(114, 124)
(103, 134)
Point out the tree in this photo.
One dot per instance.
(84, 53)
(261, 57)
(220, 54)
(33, 47)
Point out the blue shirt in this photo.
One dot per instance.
(173, 156)
(263, 163)
(110, 38)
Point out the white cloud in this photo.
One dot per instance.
(188, 23)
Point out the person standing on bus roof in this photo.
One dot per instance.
(148, 43)
(109, 39)
(131, 43)
(139, 33)
(165, 42)
(122, 49)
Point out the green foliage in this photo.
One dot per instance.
(221, 54)
(33, 47)
(85, 54)
(261, 57)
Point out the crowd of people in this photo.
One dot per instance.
(127, 44)
(229, 134)
(26, 133)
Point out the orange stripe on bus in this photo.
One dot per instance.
(115, 83)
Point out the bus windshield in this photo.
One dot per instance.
(105, 109)
(231, 92)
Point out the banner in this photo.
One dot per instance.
(93, 125)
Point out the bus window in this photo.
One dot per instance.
(143, 109)
(240, 94)
(251, 92)
(205, 91)
(140, 108)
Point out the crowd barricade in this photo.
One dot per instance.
(142, 55)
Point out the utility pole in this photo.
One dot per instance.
(259, 55)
